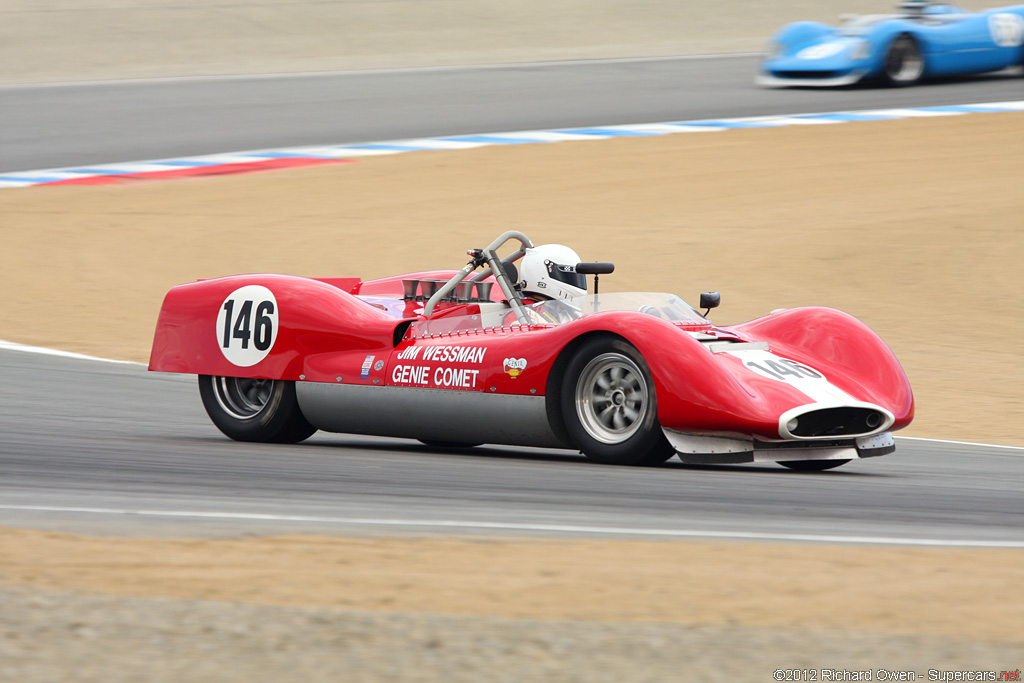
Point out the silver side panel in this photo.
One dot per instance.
(428, 414)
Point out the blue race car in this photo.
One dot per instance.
(926, 39)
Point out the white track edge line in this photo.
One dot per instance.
(511, 526)
(12, 346)
(961, 443)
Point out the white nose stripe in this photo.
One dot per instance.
(804, 378)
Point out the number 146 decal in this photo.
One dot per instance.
(247, 325)
(783, 369)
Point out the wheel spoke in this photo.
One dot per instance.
(243, 397)
(612, 398)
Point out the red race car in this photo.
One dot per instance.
(529, 357)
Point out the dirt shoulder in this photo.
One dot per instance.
(58, 636)
(912, 226)
(970, 594)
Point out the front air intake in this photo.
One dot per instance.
(842, 421)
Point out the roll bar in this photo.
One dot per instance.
(489, 256)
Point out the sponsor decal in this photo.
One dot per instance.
(514, 366)
(439, 377)
(379, 365)
(443, 375)
(364, 372)
(247, 325)
(445, 354)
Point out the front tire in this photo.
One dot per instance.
(609, 405)
(260, 410)
(904, 64)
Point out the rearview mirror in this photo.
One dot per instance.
(595, 268)
(709, 300)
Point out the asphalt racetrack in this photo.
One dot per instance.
(56, 126)
(89, 444)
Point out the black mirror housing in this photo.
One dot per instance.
(595, 268)
(709, 300)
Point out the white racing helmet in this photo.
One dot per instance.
(550, 271)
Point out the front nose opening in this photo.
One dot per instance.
(845, 421)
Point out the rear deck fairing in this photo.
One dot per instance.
(266, 326)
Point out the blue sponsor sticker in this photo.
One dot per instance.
(364, 373)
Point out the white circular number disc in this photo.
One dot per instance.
(1007, 29)
(247, 325)
(820, 51)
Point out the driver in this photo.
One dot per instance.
(914, 6)
(547, 275)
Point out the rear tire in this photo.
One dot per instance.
(904, 64)
(260, 410)
(813, 465)
(609, 405)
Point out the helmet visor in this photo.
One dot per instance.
(566, 274)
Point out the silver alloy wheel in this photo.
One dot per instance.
(243, 397)
(611, 398)
(904, 63)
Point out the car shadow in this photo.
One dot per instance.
(339, 444)
(566, 456)
(872, 84)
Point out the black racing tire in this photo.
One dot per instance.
(260, 410)
(609, 405)
(904, 63)
(812, 465)
(446, 445)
